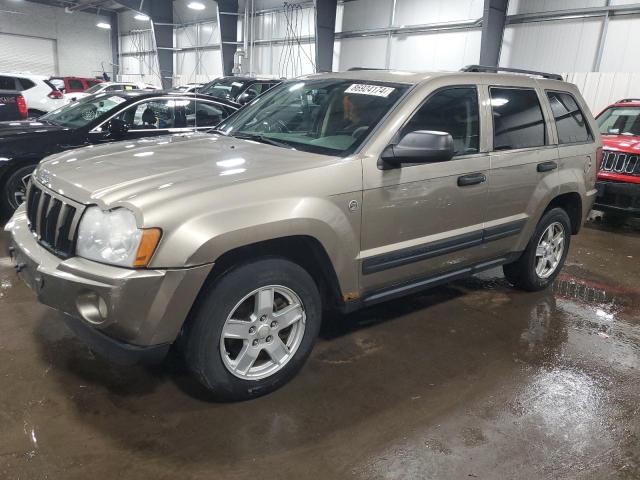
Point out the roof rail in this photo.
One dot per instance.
(486, 69)
(359, 69)
(625, 100)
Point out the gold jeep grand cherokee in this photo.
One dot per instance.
(331, 191)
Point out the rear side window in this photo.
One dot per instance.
(25, 84)
(76, 84)
(517, 119)
(570, 122)
(7, 83)
(455, 111)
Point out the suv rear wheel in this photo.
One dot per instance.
(254, 329)
(545, 254)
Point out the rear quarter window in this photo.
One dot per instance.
(7, 83)
(571, 124)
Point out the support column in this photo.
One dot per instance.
(493, 21)
(115, 47)
(325, 34)
(228, 21)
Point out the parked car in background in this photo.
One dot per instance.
(109, 87)
(190, 87)
(619, 175)
(238, 89)
(97, 119)
(12, 106)
(39, 93)
(335, 191)
(74, 84)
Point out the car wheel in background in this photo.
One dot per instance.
(15, 188)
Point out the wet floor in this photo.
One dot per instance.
(472, 380)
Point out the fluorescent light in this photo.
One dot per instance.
(105, 25)
(142, 17)
(196, 5)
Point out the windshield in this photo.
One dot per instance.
(84, 111)
(227, 88)
(94, 89)
(330, 116)
(620, 121)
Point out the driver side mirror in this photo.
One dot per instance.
(420, 146)
(117, 128)
(246, 97)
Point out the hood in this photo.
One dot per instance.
(621, 143)
(27, 127)
(166, 167)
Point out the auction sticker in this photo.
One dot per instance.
(375, 90)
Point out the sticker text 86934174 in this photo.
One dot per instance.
(364, 89)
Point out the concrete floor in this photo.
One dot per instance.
(472, 380)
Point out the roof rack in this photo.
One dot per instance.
(486, 69)
(359, 69)
(625, 100)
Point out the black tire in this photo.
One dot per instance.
(522, 273)
(202, 343)
(12, 187)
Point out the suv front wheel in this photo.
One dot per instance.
(545, 254)
(254, 329)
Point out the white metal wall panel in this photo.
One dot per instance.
(622, 45)
(274, 24)
(562, 45)
(27, 54)
(602, 89)
(272, 60)
(362, 52)
(364, 14)
(81, 48)
(534, 6)
(413, 12)
(435, 51)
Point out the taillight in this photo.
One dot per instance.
(599, 158)
(55, 94)
(22, 106)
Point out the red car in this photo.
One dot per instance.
(74, 84)
(619, 175)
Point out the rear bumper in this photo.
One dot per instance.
(127, 315)
(618, 197)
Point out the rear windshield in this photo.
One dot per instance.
(81, 113)
(620, 121)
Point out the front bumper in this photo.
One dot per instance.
(618, 197)
(127, 315)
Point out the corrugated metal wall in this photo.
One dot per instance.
(80, 48)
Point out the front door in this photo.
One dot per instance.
(423, 220)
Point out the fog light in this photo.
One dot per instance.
(92, 307)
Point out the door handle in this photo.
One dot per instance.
(547, 166)
(471, 179)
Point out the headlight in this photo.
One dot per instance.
(113, 237)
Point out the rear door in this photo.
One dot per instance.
(524, 164)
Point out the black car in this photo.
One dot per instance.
(238, 89)
(12, 105)
(100, 118)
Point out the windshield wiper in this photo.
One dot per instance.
(262, 139)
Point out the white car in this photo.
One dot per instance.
(39, 93)
(108, 87)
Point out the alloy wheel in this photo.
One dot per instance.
(550, 250)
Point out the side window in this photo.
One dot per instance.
(91, 83)
(570, 122)
(203, 114)
(7, 83)
(151, 115)
(455, 111)
(517, 118)
(75, 84)
(111, 88)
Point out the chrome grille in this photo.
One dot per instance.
(620, 162)
(53, 219)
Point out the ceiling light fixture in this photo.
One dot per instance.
(105, 25)
(196, 5)
(142, 17)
